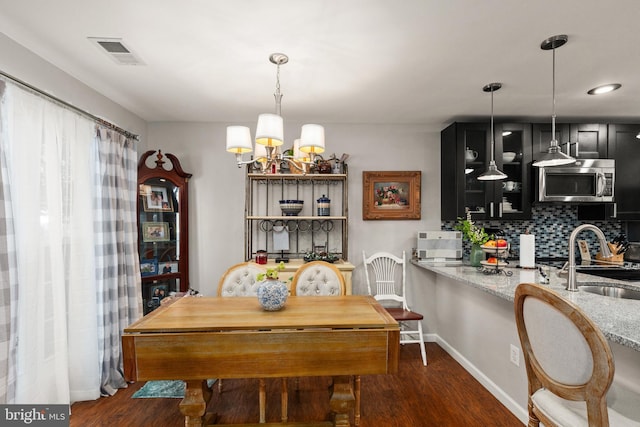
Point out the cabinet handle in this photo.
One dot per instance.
(491, 209)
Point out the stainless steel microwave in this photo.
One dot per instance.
(586, 180)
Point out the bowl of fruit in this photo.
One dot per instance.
(496, 247)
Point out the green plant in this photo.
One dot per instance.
(471, 232)
(272, 273)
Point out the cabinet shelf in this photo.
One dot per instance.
(306, 232)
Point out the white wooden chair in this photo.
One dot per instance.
(240, 280)
(569, 364)
(388, 286)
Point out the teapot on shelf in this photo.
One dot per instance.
(470, 155)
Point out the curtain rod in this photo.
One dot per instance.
(65, 104)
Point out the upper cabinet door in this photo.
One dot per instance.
(588, 141)
(513, 155)
(582, 141)
(624, 148)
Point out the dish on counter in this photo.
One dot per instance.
(493, 264)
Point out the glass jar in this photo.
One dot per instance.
(261, 257)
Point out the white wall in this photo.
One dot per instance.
(216, 190)
(24, 65)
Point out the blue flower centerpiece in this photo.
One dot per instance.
(272, 293)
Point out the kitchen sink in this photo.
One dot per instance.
(611, 291)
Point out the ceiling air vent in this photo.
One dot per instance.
(116, 50)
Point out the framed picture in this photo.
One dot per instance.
(155, 231)
(155, 293)
(391, 195)
(168, 267)
(148, 267)
(157, 199)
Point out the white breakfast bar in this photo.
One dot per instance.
(471, 315)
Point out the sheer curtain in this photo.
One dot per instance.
(70, 189)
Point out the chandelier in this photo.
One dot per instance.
(270, 136)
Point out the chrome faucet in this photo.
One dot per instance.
(605, 252)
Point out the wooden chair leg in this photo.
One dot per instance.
(219, 386)
(285, 400)
(262, 398)
(356, 411)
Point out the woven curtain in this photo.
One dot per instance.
(8, 285)
(119, 300)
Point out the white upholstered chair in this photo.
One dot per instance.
(388, 286)
(569, 364)
(317, 278)
(320, 278)
(240, 280)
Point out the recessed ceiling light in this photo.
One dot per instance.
(604, 89)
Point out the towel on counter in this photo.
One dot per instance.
(280, 238)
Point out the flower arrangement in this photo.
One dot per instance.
(476, 235)
(389, 195)
(272, 273)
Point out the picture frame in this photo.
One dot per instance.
(155, 231)
(157, 199)
(148, 267)
(154, 294)
(168, 267)
(392, 195)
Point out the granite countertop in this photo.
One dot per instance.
(619, 319)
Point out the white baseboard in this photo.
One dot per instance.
(517, 410)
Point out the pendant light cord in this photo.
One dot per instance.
(553, 97)
(493, 141)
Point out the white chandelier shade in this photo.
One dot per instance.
(270, 130)
(239, 139)
(312, 139)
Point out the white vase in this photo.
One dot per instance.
(272, 294)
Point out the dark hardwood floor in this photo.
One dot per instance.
(441, 394)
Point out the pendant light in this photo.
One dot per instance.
(492, 173)
(554, 156)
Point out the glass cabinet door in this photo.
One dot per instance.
(476, 159)
(513, 156)
(162, 231)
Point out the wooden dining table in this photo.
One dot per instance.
(196, 338)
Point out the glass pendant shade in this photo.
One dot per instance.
(270, 130)
(239, 139)
(312, 139)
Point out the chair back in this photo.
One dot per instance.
(384, 282)
(564, 351)
(318, 278)
(240, 280)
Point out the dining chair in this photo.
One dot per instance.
(569, 363)
(317, 278)
(388, 286)
(320, 278)
(240, 280)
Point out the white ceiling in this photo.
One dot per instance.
(351, 61)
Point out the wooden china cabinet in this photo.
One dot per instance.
(163, 228)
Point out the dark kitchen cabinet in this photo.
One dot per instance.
(579, 140)
(163, 228)
(624, 148)
(465, 155)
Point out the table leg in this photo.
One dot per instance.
(342, 401)
(194, 404)
(262, 399)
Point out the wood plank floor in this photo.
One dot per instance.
(441, 394)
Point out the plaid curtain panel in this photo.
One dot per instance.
(8, 284)
(117, 266)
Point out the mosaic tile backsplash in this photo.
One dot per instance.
(552, 224)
